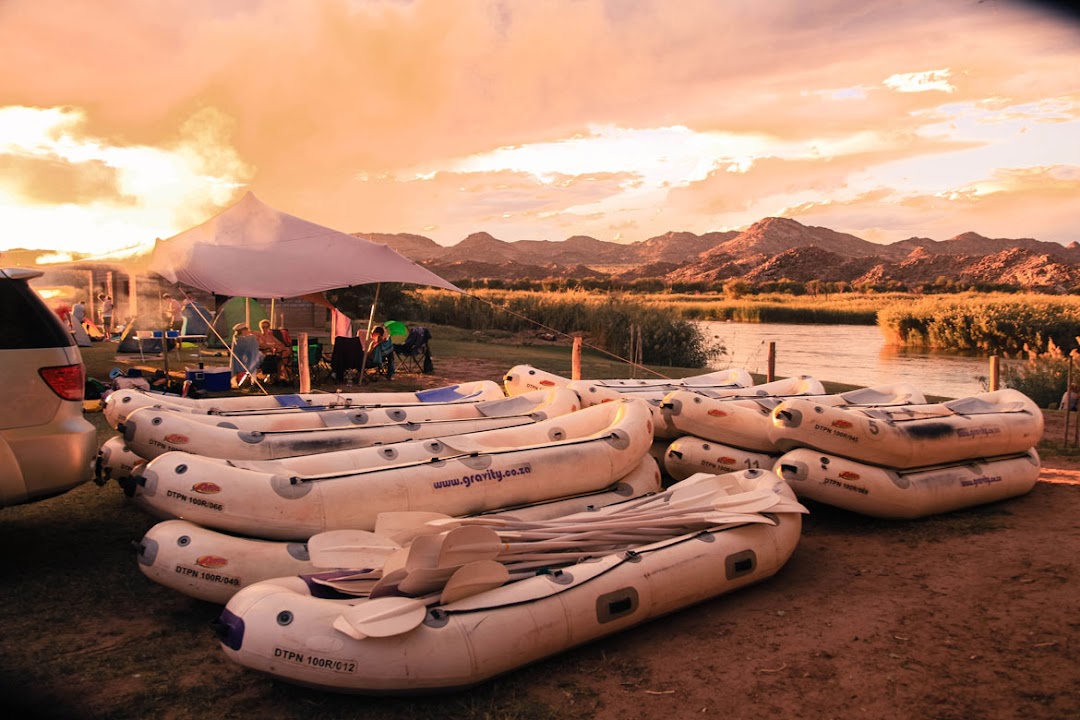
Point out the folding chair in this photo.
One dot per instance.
(414, 351)
(318, 363)
(380, 362)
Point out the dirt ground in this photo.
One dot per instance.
(966, 616)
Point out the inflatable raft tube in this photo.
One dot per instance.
(115, 461)
(746, 422)
(209, 565)
(591, 394)
(479, 478)
(284, 632)
(121, 402)
(359, 460)
(690, 455)
(906, 494)
(150, 432)
(525, 378)
(910, 436)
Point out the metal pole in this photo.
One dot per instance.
(367, 337)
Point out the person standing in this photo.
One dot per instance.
(106, 315)
(170, 312)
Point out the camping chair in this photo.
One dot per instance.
(380, 362)
(414, 353)
(246, 358)
(318, 363)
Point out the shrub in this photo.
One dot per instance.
(1042, 376)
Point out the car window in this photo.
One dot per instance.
(26, 321)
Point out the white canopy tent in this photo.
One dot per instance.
(253, 250)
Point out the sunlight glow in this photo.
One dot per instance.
(134, 192)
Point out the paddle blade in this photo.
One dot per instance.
(473, 579)
(349, 549)
(382, 617)
(403, 526)
(467, 544)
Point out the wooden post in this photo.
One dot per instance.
(1068, 401)
(772, 363)
(91, 312)
(302, 362)
(575, 359)
(995, 375)
(133, 298)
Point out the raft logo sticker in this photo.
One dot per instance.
(177, 439)
(725, 460)
(211, 561)
(206, 488)
(848, 475)
(842, 424)
(716, 413)
(981, 480)
(547, 383)
(489, 474)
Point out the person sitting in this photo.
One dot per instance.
(274, 351)
(246, 356)
(380, 353)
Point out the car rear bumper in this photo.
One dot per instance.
(45, 460)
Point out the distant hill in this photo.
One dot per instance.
(771, 249)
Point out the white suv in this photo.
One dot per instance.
(47, 447)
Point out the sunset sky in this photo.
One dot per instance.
(126, 120)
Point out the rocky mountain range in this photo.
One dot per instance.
(772, 249)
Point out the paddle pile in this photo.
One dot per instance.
(433, 559)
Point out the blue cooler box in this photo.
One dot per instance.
(212, 379)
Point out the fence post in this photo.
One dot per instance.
(302, 362)
(771, 373)
(575, 359)
(995, 376)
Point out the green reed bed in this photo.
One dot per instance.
(608, 321)
(993, 323)
(835, 308)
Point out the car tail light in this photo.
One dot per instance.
(67, 381)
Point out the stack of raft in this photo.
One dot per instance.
(425, 542)
(398, 542)
(881, 451)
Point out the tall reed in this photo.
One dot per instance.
(993, 323)
(605, 319)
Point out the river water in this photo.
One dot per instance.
(853, 354)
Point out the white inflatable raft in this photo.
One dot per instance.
(209, 565)
(525, 378)
(909, 436)
(746, 422)
(612, 439)
(689, 455)
(454, 640)
(122, 402)
(906, 494)
(591, 394)
(150, 432)
(115, 461)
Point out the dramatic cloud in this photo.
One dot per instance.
(533, 120)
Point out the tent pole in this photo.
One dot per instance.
(272, 323)
(367, 337)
